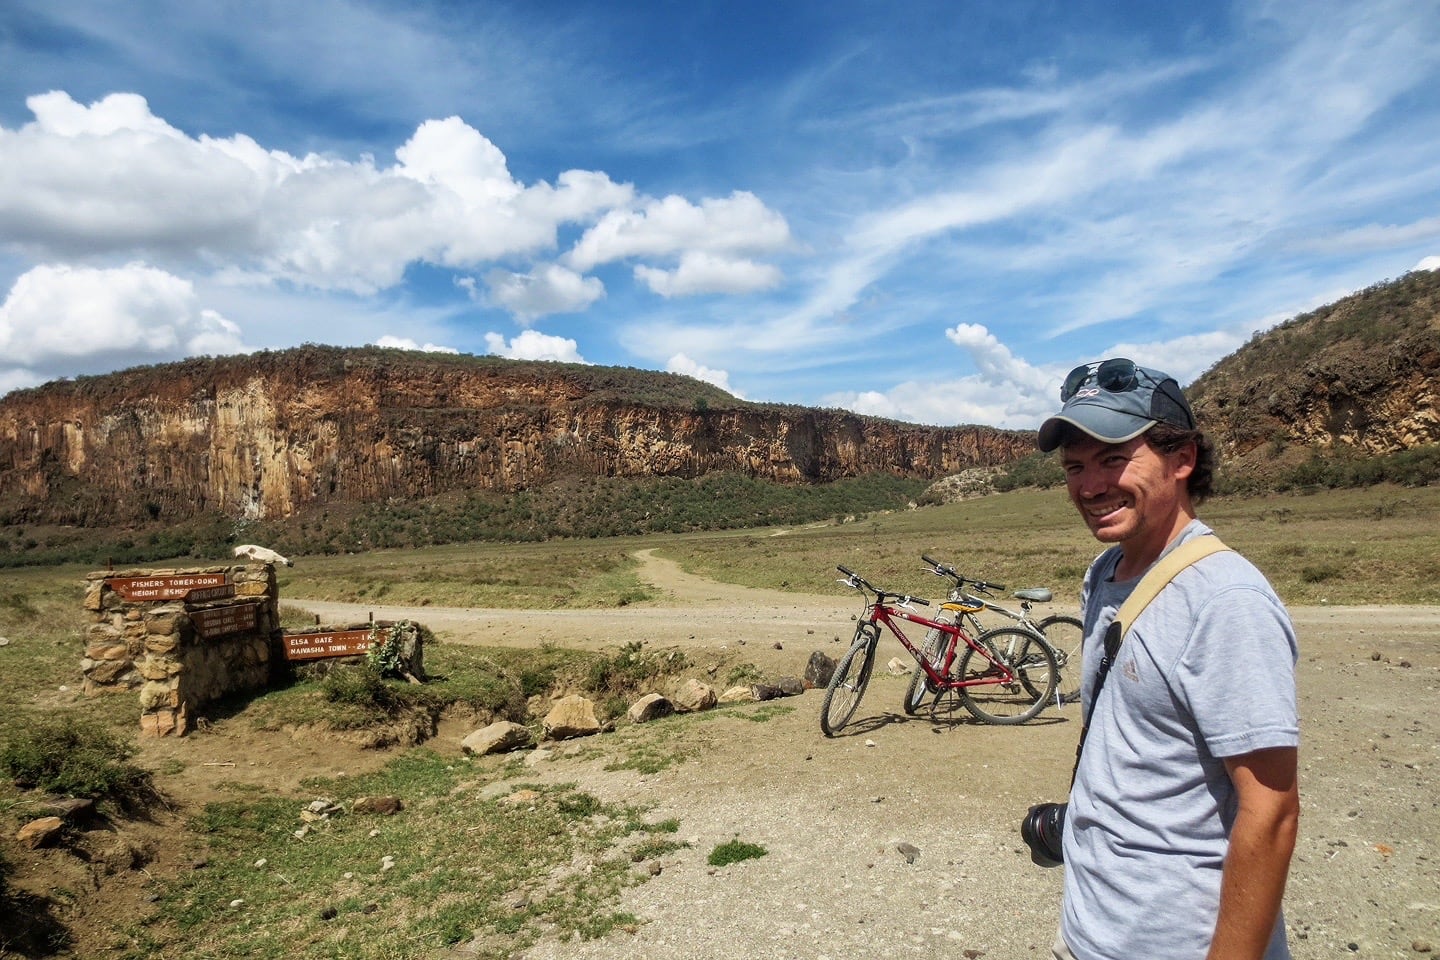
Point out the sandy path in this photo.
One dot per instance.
(831, 812)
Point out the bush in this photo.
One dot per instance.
(358, 686)
(77, 758)
(734, 851)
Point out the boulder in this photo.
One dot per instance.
(384, 806)
(694, 695)
(791, 686)
(652, 706)
(819, 670)
(39, 833)
(572, 716)
(737, 695)
(500, 737)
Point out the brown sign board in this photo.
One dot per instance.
(317, 646)
(184, 586)
(221, 621)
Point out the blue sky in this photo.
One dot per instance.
(920, 210)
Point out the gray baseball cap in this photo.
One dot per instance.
(1115, 401)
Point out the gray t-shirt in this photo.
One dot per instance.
(1206, 672)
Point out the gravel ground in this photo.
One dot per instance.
(832, 814)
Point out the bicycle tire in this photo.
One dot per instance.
(933, 650)
(1031, 660)
(848, 684)
(1064, 634)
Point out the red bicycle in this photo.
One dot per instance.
(1005, 675)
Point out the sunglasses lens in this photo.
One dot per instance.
(1116, 375)
(1075, 381)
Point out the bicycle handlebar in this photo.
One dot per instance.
(945, 570)
(855, 580)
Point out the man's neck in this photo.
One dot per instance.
(1140, 553)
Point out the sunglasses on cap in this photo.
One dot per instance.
(1119, 376)
(1113, 376)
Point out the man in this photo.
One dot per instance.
(1183, 813)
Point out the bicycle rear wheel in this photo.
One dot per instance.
(933, 650)
(1064, 634)
(848, 684)
(1031, 667)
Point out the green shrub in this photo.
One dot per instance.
(77, 758)
(631, 668)
(734, 851)
(358, 686)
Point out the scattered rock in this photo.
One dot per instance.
(738, 695)
(791, 686)
(898, 667)
(572, 716)
(384, 806)
(819, 670)
(694, 695)
(500, 737)
(41, 832)
(765, 691)
(652, 706)
(909, 851)
(69, 809)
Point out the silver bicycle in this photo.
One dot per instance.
(968, 597)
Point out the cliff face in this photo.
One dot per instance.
(1359, 377)
(269, 435)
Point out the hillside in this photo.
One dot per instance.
(279, 434)
(1357, 379)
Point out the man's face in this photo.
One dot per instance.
(1127, 492)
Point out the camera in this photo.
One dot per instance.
(1043, 829)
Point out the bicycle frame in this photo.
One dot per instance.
(1016, 679)
(887, 614)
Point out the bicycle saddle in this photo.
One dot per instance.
(1034, 594)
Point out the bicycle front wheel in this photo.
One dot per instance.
(1011, 680)
(933, 652)
(848, 684)
(1064, 635)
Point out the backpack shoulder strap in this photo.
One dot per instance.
(1149, 587)
(1162, 573)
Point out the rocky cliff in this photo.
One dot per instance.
(271, 434)
(1358, 378)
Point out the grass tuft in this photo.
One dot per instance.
(735, 851)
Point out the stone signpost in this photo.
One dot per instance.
(185, 638)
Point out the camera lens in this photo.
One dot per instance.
(1043, 830)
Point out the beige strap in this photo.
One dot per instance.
(1162, 573)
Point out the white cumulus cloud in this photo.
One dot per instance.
(58, 319)
(111, 178)
(1429, 263)
(719, 378)
(534, 345)
(406, 343)
(669, 227)
(548, 289)
(701, 272)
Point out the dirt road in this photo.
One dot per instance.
(833, 813)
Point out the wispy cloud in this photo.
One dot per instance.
(934, 224)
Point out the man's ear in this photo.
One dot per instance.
(1184, 459)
